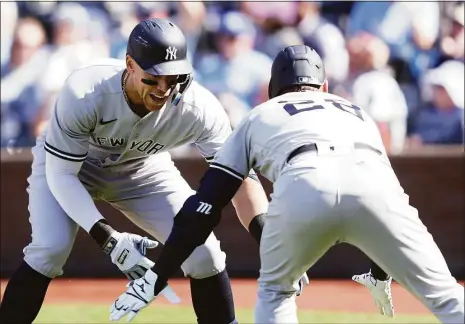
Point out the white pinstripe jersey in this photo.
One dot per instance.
(92, 120)
(272, 130)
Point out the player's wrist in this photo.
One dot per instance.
(160, 282)
(103, 234)
(256, 227)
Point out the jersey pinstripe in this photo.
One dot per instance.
(271, 131)
(92, 121)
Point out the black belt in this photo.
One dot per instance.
(313, 148)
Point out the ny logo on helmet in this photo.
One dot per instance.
(171, 53)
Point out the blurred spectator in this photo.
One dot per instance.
(189, 16)
(72, 48)
(275, 23)
(235, 108)
(409, 28)
(375, 53)
(280, 39)
(452, 42)
(237, 68)
(337, 11)
(20, 96)
(441, 120)
(39, 9)
(271, 15)
(326, 39)
(371, 87)
(125, 17)
(9, 16)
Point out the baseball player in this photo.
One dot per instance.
(108, 139)
(333, 183)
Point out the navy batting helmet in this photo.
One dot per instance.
(296, 65)
(159, 47)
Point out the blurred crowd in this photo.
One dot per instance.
(403, 62)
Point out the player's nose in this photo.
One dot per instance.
(162, 85)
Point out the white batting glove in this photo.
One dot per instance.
(380, 291)
(303, 281)
(138, 295)
(127, 251)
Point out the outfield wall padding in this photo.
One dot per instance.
(435, 184)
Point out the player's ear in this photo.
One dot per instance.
(324, 86)
(129, 64)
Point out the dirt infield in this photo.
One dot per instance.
(321, 295)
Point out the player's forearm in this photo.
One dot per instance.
(199, 215)
(250, 201)
(70, 193)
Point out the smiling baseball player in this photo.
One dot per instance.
(108, 139)
(333, 182)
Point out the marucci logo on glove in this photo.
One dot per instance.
(122, 257)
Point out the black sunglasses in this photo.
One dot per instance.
(154, 82)
(148, 82)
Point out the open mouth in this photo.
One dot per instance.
(157, 99)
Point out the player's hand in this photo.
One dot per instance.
(380, 290)
(303, 281)
(138, 295)
(127, 251)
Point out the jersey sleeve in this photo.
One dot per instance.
(68, 190)
(70, 126)
(215, 127)
(234, 155)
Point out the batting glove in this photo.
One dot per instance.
(138, 295)
(380, 291)
(303, 281)
(128, 251)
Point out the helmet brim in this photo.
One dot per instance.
(171, 68)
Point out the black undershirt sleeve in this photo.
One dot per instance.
(200, 214)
